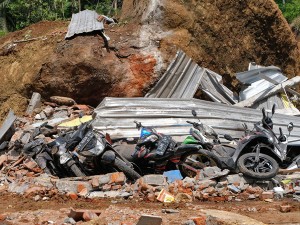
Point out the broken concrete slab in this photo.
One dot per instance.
(154, 180)
(35, 102)
(67, 185)
(149, 220)
(7, 129)
(224, 217)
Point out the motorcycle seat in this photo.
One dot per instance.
(187, 147)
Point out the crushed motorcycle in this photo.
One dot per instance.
(259, 153)
(93, 151)
(156, 152)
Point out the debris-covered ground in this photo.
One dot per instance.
(30, 196)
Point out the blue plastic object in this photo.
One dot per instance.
(172, 175)
(145, 132)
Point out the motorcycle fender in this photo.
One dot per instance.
(108, 157)
(227, 163)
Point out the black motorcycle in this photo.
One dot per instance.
(53, 160)
(95, 153)
(257, 154)
(155, 153)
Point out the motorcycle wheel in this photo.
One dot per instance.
(198, 160)
(266, 168)
(129, 172)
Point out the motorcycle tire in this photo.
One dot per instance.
(129, 172)
(265, 170)
(75, 169)
(207, 158)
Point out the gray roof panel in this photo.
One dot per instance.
(84, 22)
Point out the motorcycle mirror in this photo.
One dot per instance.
(194, 113)
(290, 127)
(273, 109)
(228, 137)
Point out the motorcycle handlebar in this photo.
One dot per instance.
(138, 124)
(190, 122)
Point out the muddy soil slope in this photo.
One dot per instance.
(222, 35)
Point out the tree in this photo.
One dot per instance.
(289, 8)
(17, 14)
(3, 15)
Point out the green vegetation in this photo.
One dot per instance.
(289, 8)
(2, 33)
(17, 14)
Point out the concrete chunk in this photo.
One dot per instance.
(154, 180)
(149, 220)
(35, 102)
(7, 129)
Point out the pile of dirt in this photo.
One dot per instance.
(222, 35)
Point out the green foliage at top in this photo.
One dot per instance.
(21, 13)
(289, 8)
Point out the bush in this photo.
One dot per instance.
(290, 10)
(2, 33)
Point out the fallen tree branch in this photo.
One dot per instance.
(31, 39)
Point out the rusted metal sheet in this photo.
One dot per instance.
(84, 22)
(116, 115)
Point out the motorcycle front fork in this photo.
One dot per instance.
(257, 153)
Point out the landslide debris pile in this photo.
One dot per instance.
(222, 35)
(20, 172)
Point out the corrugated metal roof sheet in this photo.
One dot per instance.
(183, 77)
(84, 22)
(116, 115)
(254, 78)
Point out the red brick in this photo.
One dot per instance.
(151, 197)
(89, 215)
(34, 190)
(106, 187)
(254, 190)
(285, 208)
(2, 217)
(72, 195)
(217, 199)
(95, 182)
(201, 220)
(117, 178)
(83, 192)
(30, 164)
(266, 195)
(80, 187)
